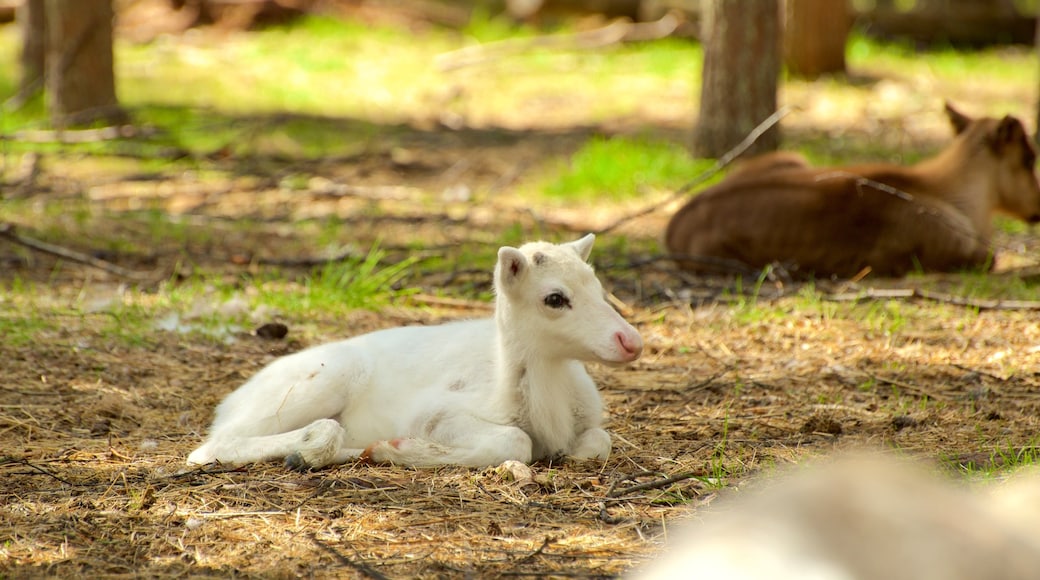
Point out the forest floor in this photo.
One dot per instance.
(739, 377)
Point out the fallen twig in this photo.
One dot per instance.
(719, 165)
(359, 566)
(545, 544)
(912, 293)
(82, 135)
(43, 471)
(656, 484)
(7, 231)
(914, 389)
(429, 300)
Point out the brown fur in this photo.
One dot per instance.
(935, 215)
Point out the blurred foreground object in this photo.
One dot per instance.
(865, 518)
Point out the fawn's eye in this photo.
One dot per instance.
(557, 301)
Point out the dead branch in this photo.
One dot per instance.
(719, 165)
(620, 30)
(7, 232)
(545, 544)
(440, 301)
(361, 567)
(656, 484)
(914, 389)
(81, 135)
(918, 293)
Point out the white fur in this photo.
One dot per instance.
(472, 393)
(863, 518)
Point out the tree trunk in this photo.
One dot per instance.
(1036, 42)
(33, 26)
(814, 37)
(80, 76)
(741, 69)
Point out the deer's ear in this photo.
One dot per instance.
(1009, 132)
(959, 120)
(583, 246)
(511, 267)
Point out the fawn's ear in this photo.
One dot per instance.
(583, 246)
(959, 120)
(511, 268)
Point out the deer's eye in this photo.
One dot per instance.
(557, 301)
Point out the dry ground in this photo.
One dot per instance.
(94, 428)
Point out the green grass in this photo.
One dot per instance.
(996, 64)
(21, 329)
(340, 287)
(1004, 458)
(621, 168)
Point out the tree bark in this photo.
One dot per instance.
(33, 27)
(741, 70)
(815, 34)
(1036, 42)
(80, 75)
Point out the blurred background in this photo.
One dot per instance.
(149, 119)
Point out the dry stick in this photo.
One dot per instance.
(545, 544)
(719, 165)
(80, 135)
(359, 566)
(7, 231)
(653, 484)
(914, 389)
(911, 293)
(45, 472)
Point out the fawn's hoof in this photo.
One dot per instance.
(296, 462)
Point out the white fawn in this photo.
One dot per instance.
(472, 393)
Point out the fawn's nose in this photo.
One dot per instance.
(630, 344)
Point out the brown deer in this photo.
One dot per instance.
(932, 216)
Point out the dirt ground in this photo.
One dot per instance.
(94, 429)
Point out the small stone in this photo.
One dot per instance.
(272, 331)
(901, 422)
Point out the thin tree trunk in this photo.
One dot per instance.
(741, 70)
(1036, 42)
(80, 75)
(33, 24)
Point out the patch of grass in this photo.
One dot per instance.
(1012, 226)
(342, 286)
(719, 467)
(886, 318)
(484, 26)
(747, 309)
(980, 286)
(314, 66)
(21, 328)
(1002, 459)
(621, 168)
(133, 325)
(29, 315)
(998, 63)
